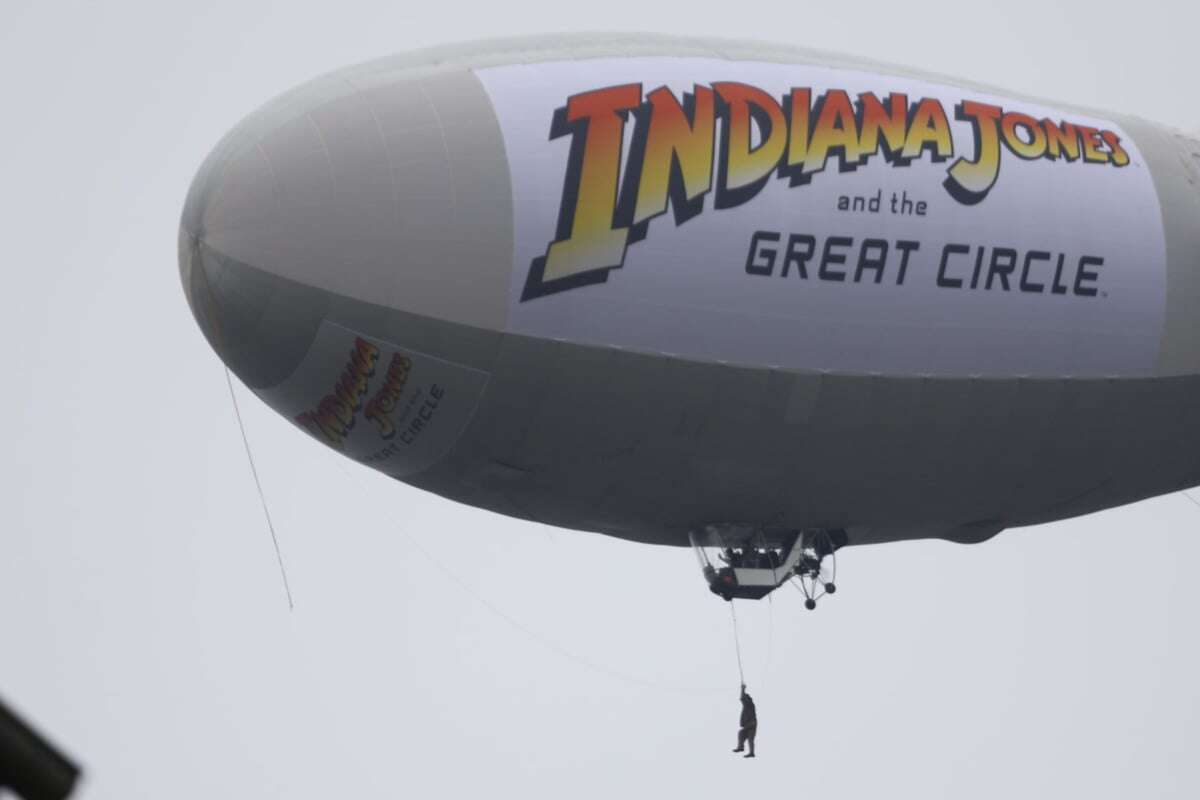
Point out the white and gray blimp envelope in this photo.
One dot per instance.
(651, 287)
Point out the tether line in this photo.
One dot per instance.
(736, 644)
(261, 496)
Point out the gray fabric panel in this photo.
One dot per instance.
(1175, 160)
(261, 325)
(646, 447)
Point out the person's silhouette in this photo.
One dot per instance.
(748, 724)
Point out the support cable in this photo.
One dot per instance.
(214, 322)
(770, 638)
(737, 644)
(541, 639)
(261, 495)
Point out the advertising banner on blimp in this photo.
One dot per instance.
(814, 218)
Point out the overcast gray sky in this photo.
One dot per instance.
(142, 619)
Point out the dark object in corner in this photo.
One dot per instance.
(29, 765)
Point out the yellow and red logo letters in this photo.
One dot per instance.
(675, 144)
(380, 407)
(334, 415)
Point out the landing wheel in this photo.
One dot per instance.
(816, 574)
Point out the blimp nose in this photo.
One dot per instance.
(259, 325)
(371, 192)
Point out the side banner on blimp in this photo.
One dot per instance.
(391, 408)
(813, 218)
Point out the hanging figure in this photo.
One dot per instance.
(749, 724)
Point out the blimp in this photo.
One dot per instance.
(759, 301)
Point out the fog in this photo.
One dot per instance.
(438, 650)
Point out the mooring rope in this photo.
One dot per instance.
(261, 495)
(737, 646)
